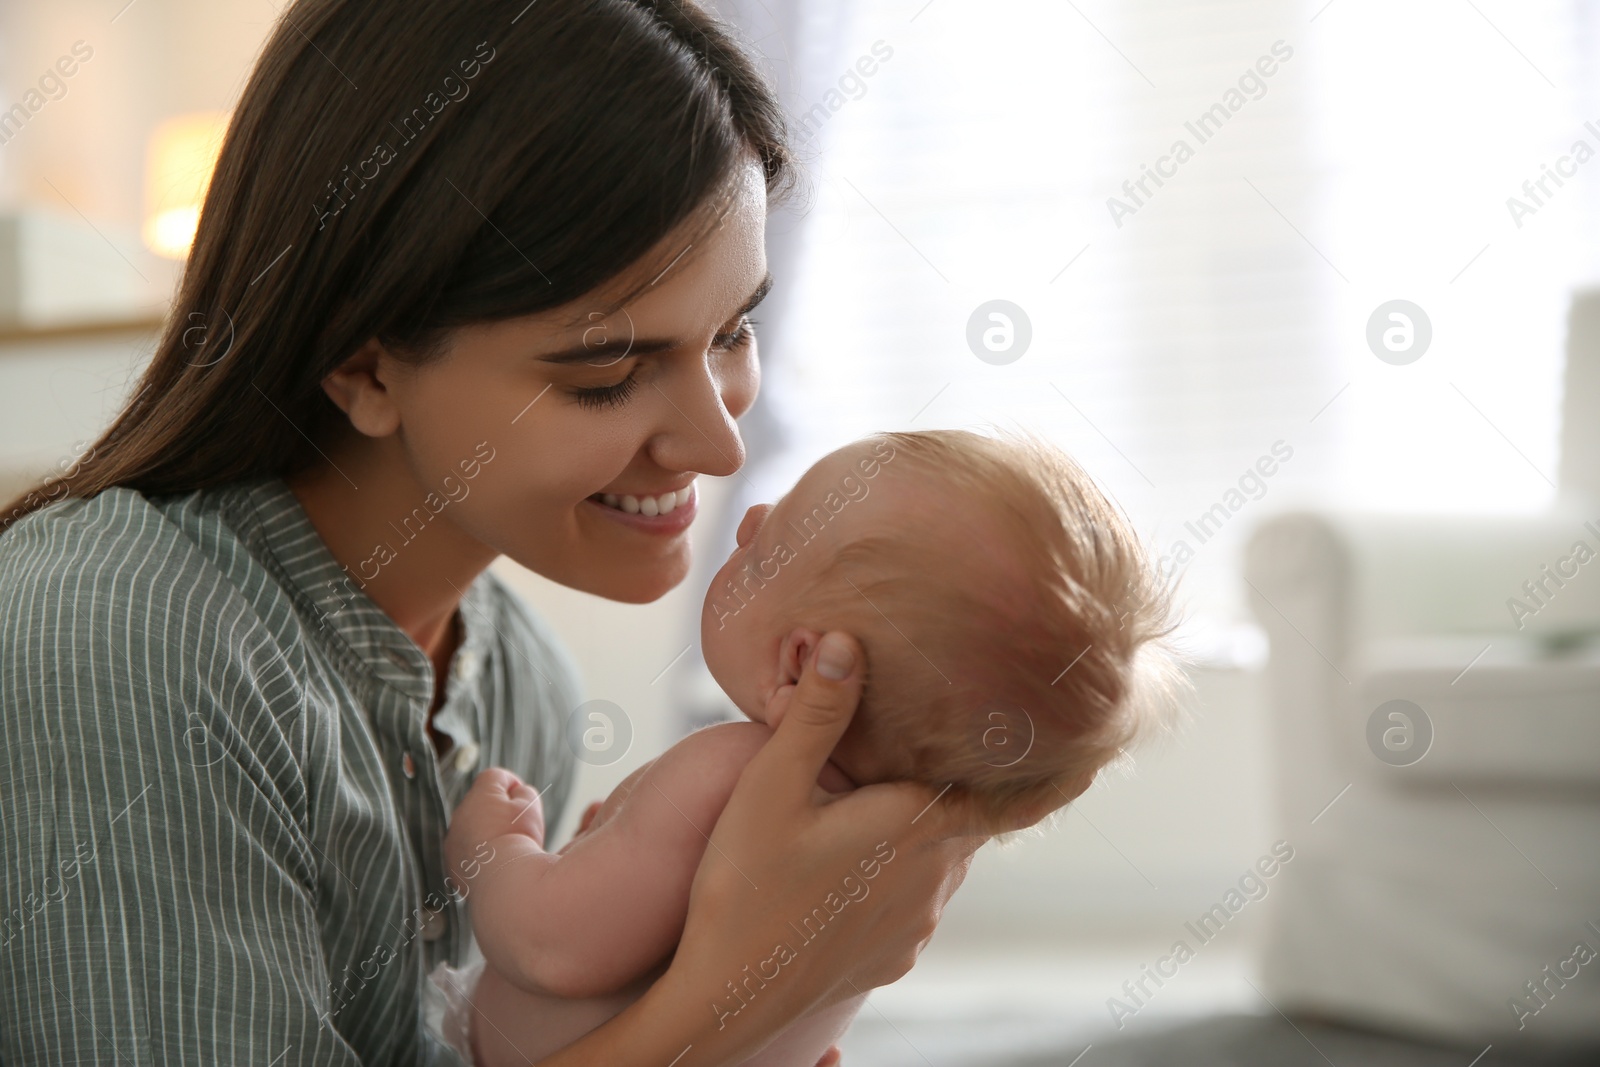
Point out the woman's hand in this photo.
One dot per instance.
(803, 899)
(806, 898)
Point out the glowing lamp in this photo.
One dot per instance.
(178, 163)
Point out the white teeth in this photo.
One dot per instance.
(665, 504)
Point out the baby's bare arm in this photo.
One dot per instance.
(587, 920)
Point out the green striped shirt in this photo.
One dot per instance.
(221, 812)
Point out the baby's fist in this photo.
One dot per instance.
(498, 803)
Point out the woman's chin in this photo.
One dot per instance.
(642, 586)
(633, 595)
(643, 583)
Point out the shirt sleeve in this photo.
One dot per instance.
(158, 886)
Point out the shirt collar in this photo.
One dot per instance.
(333, 599)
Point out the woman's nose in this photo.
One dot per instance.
(702, 434)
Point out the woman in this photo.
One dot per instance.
(469, 275)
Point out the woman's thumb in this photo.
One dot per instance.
(816, 714)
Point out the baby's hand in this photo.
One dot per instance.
(498, 803)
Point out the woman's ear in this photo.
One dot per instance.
(357, 387)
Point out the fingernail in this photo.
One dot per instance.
(834, 658)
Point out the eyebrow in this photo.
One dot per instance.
(584, 354)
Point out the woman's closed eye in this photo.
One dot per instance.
(619, 393)
(742, 335)
(603, 396)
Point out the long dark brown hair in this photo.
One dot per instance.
(399, 168)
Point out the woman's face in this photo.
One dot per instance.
(594, 424)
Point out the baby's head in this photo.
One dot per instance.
(1013, 626)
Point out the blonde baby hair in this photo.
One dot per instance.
(1015, 628)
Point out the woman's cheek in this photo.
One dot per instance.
(562, 458)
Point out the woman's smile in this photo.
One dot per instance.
(667, 513)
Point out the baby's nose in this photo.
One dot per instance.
(752, 522)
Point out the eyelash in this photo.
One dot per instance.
(616, 395)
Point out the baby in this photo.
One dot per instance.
(1014, 637)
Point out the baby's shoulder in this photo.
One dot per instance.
(723, 742)
(699, 771)
(686, 787)
(726, 747)
(710, 760)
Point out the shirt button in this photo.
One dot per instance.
(433, 924)
(397, 657)
(467, 757)
(466, 666)
(408, 765)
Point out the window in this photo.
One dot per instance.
(1214, 325)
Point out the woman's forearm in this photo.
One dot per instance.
(664, 1028)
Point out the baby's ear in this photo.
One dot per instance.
(793, 653)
